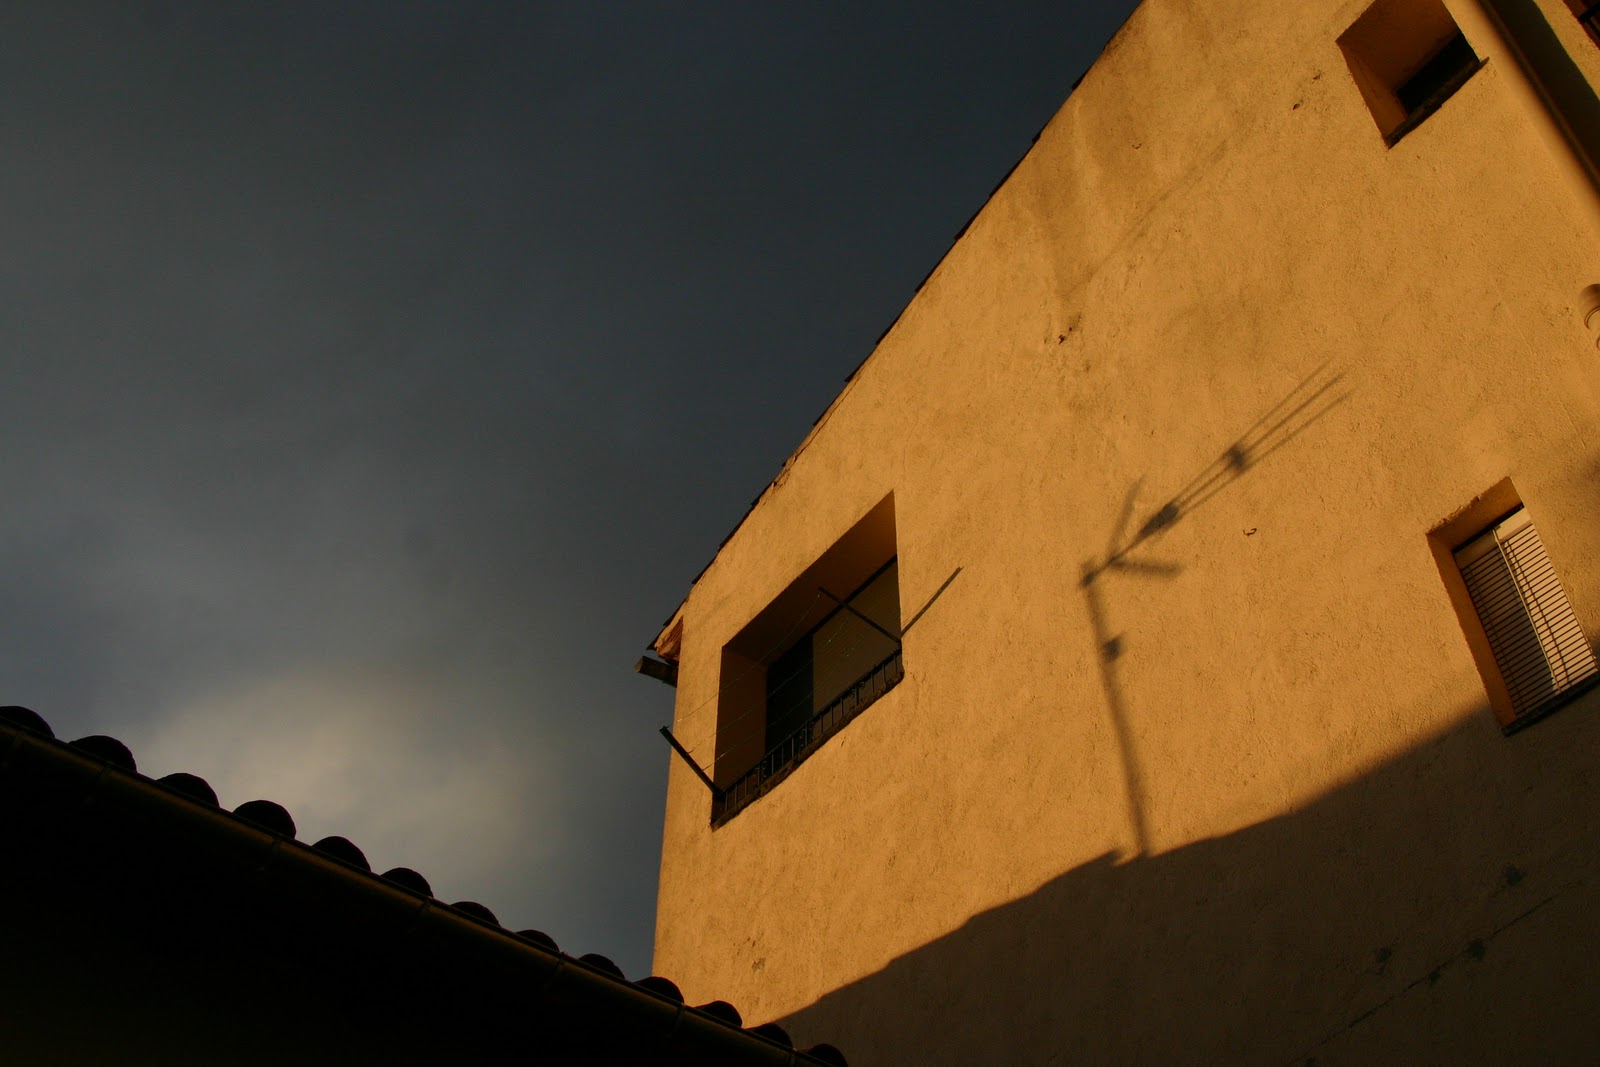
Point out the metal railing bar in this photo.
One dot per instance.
(791, 750)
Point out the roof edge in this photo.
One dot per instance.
(816, 425)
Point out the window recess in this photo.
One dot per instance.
(1539, 650)
(820, 654)
(1407, 58)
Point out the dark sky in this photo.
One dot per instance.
(377, 376)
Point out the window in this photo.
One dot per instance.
(824, 650)
(1407, 57)
(1530, 648)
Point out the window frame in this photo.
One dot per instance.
(1485, 517)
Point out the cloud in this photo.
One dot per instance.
(381, 761)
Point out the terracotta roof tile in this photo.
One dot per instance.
(167, 855)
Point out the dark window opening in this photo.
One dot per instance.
(790, 692)
(1434, 82)
(1439, 76)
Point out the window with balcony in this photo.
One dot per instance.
(824, 650)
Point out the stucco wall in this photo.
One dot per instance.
(1210, 304)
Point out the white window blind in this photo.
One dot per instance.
(1537, 643)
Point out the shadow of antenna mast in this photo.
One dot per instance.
(1305, 404)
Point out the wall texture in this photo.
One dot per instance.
(1192, 759)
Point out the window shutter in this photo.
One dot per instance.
(1536, 640)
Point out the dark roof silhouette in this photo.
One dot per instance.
(144, 923)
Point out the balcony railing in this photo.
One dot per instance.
(788, 753)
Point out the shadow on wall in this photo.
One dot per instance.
(1441, 909)
(1565, 83)
(1313, 397)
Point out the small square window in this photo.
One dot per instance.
(826, 648)
(1531, 650)
(1407, 57)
